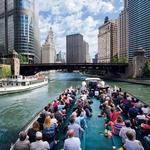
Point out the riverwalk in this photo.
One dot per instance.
(135, 81)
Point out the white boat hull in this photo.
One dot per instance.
(16, 89)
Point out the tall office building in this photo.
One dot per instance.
(139, 26)
(75, 49)
(123, 32)
(19, 29)
(107, 41)
(48, 49)
(86, 46)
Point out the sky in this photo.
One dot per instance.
(75, 16)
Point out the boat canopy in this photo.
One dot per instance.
(93, 79)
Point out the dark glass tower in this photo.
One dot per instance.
(139, 26)
(19, 28)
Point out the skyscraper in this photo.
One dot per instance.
(139, 26)
(107, 41)
(48, 49)
(123, 32)
(19, 29)
(75, 49)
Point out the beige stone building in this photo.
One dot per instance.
(48, 49)
(123, 31)
(107, 41)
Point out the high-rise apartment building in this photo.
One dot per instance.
(107, 41)
(123, 32)
(19, 29)
(48, 49)
(139, 26)
(75, 49)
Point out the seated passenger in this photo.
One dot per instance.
(45, 111)
(145, 109)
(39, 144)
(131, 143)
(114, 114)
(72, 143)
(146, 126)
(40, 120)
(22, 143)
(76, 127)
(32, 131)
(118, 124)
(125, 129)
(49, 130)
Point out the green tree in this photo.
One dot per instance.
(23, 59)
(115, 59)
(5, 71)
(146, 69)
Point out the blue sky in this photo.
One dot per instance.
(76, 16)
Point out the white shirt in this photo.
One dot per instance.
(72, 144)
(145, 110)
(141, 117)
(39, 145)
(133, 145)
(123, 132)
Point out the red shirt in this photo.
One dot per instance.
(145, 126)
(114, 115)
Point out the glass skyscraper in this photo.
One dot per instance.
(19, 29)
(139, 26)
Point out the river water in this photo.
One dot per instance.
(16, 110)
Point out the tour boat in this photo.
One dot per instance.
(14, 84)
(95, 131)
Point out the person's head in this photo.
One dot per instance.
(145, 106)
(22, 135)
(38, 135)
(112, 110)
(119, 119)
(70, 133)
(128, 123)
(47, 122)
(42, 115)
(72, 120)
(46, 108)
(36, 126)
(130, 135)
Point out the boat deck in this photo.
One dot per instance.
(95, 138)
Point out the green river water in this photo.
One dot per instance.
(16, 110)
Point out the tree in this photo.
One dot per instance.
(23, 59)
(146, 69)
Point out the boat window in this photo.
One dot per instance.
(23, 83)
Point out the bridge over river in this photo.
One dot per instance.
(30, 69)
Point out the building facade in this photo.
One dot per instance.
(123, 32)
(75, 49)
(86, 46)
(107, 41)
(19, 29)
(139, 26)
(48, 49)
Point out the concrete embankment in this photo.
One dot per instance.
(134, 81)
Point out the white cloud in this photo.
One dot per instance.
(73, 16)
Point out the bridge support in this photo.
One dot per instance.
(135, 69)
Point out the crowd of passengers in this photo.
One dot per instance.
(43, 133)
(136, 121)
